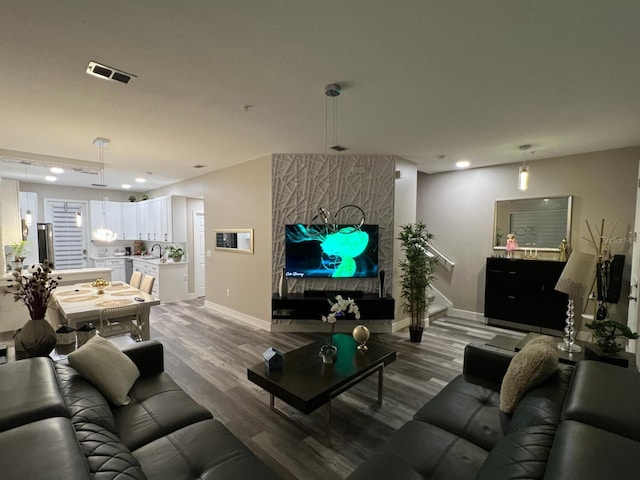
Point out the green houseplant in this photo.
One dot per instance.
(418, 272)
(19, 250)
(607, 332)
(175, 253)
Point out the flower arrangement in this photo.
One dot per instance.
(34, 289)
(340, 308)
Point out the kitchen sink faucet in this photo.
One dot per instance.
(154, 246)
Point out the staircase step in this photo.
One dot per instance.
(437, 310)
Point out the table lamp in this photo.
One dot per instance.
(574, 281)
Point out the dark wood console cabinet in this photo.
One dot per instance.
(298, 306)
(521, 294)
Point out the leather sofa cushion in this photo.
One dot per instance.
(29, 391)
(205, 450)
(605, 396)
(158, 407)
(467, 410)
(521, 454)
(107, 457)
(42, 450)
(542, 405)
(585, 452)
(431, 452)
(84, 402)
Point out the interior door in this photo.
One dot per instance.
(634, 291)
(199, 254)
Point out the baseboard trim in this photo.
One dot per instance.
(239, 316)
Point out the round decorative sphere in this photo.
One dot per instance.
(361, 334)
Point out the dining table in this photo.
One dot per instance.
(82, 303)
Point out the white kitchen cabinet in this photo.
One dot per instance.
(111, 220)
(11, 227)
(171, 278)
(129, 214)
(162, 219)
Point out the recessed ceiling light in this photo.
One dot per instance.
(50, 178)
(140, 180)
(57, 170)
(126, 186)
(463, 164)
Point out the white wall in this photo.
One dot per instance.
(458, 207)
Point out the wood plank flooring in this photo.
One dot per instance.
(208, 356)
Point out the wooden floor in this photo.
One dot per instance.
(208, 356)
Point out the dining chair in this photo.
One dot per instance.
(120, 320)
(147, 284)
(136, 278)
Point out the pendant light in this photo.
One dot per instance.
(103, 234)
(523, 173)
(28, 218)
(78, 213)
(332, 91)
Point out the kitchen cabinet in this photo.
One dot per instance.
(162, 219)
(171, 278)
(111, 220)
(11, 226)
(129, 215)
(117, 265)
(521, 294)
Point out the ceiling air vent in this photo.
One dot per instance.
(109, 73)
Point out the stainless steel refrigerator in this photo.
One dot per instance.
(45, 242)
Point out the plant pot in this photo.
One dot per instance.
(415, 334)
(177, 259)
(36, 338)
(16, 265)
(329, 353)
(594, 352)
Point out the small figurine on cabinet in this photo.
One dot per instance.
(563, 250)
(512, 244)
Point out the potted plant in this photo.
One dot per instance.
(19, 251)
(340, 308)
(175, 253)
(34, 288)
(418, 272)
(607, 333)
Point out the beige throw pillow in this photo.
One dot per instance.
(107, 368)
(529, 367)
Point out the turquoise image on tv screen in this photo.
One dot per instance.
(313, 251)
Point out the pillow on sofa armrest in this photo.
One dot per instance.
(528, 368)
(107, 368)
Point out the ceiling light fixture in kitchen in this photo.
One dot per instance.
(28, 218)
(103, 234)
(78, 212)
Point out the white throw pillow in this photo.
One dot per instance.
(529, 367)
(107, 368)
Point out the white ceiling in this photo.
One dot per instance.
(466, 79)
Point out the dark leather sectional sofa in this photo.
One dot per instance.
(581, 423)
(56, 425)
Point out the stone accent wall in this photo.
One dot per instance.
(302, 182)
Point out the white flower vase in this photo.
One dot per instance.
(329, 353)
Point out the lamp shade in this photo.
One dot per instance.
(577, 274)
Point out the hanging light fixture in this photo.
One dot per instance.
(103, 234)
(28, 218)
(78, 212)
(523, 173)
(332, 91)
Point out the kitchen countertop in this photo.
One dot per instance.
(139, 258)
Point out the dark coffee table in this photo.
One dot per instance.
(306, 383)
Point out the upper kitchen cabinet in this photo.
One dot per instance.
(129, 214)
(162, 219)
(11, 227)
(105, 214)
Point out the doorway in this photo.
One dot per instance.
(199, 253)
(69, 240)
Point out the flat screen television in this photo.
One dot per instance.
(346, 252)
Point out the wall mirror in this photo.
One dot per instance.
(238, 240)
(539, 223)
